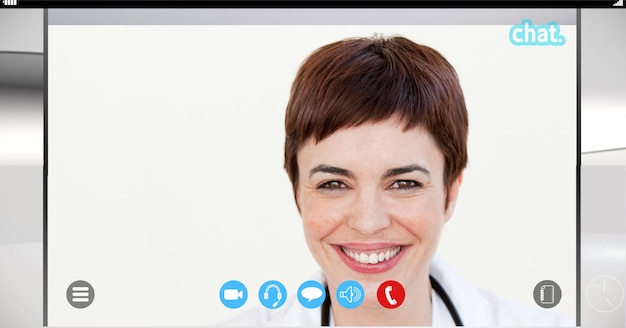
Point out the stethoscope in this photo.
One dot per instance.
(436, 287)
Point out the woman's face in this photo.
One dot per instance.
(372, 200)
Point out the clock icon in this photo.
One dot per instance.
(605, 293)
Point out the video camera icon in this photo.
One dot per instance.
(350, 294)
(233, 294)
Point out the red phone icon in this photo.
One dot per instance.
(390, 294)
(390, 299)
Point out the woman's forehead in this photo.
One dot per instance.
(373, 143)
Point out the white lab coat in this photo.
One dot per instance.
(476, 307)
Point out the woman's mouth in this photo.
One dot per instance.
(370, 258)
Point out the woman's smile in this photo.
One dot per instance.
(370, 258)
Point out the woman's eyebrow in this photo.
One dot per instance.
(323, 168)
(405, 169)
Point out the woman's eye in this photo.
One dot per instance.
(332, 185)
(405, 184)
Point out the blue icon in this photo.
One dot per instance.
(272, 294)
(311, 294)
(233, 294)
(350, 294)
(529, 34)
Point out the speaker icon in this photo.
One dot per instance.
(350, 294)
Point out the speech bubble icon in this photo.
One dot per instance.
(311, 293)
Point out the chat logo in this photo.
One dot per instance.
(311, 294)
(528, 34)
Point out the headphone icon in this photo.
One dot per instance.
(279, 295)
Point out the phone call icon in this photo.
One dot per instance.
(390, 299)
(390, 294)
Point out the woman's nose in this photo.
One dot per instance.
(368, 215)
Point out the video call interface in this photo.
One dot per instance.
(167, 201)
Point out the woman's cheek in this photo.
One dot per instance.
(318, 227)
(419, 217)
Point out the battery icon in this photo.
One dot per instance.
(9, 2)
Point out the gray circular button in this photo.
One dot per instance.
(80, 294)
(547, 294)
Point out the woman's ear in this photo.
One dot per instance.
(453, 193)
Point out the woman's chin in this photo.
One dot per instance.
(370, 302)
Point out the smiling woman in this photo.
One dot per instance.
(373, 206)
(379, 129)
(375, 148)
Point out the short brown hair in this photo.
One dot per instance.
(359, 80)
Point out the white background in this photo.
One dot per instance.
(166, 180)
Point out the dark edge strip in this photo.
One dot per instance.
(7, 52)
(316, 4)
(45, 167)
(578, 158)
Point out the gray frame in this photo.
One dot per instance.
(21, 195)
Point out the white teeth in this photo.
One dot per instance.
(372, 258)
